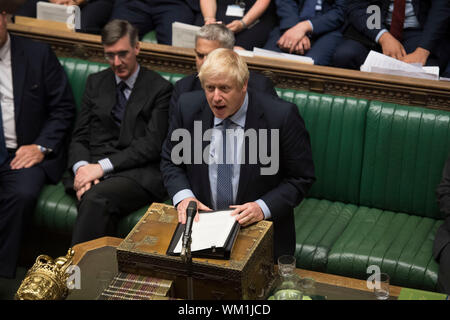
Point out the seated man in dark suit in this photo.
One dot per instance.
(115, 150)
(441, 249)
(148, 15)
(409, 30)
(255, 187)
(208, 38)
(310, 28)
(94, 13)
(36, 114)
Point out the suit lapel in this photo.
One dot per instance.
(18, 68)
(248, 171)
(134, 105)
(207, 123)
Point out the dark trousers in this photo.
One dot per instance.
(156, 14)
(19, 190)
(101, 207)
(444, 270)
(351, 54)
(94, 15)
(322, 47)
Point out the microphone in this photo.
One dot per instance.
(191, 211)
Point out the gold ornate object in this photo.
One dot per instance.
(47, 279)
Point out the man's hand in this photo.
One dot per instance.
(292, 37)
(391, 46)
(87, 174)
(182, 206)
(85, 188)
(26, 157)
(419, 55)
(235, 26)
(303, 46)
(248, 213)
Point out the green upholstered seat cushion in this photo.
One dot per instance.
(336, 127)
(150, 37)
(405, 150)
(318, 224)
(57, 211)
(400, 244)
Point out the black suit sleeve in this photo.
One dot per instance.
(174, 175)
(79, 147)
(296, 165)
(443, 193)
(59, 104)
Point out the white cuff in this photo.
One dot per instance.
(77, 166)
(265, 209)
(106, 165)
(181, 195)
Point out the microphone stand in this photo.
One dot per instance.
(186, 257)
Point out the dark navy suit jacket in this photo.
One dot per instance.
(432, 15)
(281, 192)
(332, 16)
(43, 102)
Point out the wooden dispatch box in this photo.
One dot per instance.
(249, 274)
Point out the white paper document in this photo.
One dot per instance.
(71, 15)
(211, 230)
(258, 52)
(183, 35)
(380, 63)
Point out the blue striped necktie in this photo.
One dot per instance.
(119, 109)
(224, 172)
(3, 150)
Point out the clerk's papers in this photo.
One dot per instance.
(211, 230)
(71, 15)
(258, 52)
(183, 35)
(380, 63)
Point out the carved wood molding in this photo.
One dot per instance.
(285, 74)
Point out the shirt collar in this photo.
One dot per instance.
(5, 51)
(131, 80)
(239, 117)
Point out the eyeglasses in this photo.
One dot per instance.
(112, 55)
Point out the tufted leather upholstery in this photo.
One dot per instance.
(405, 151)
(400, 244)
(377, 166)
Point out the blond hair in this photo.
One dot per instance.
(225, 63)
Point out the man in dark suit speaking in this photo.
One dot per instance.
(36, 113)
(264, 168)
(116, 144)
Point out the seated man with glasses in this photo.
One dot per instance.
(115, 150)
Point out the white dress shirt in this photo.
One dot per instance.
(7, 95)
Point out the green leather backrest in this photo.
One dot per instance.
(78, 71)
(405, 150)
(150, 37)
(336, 126)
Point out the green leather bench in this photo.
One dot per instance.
(377, 166)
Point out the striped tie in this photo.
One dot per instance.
(224, 172)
